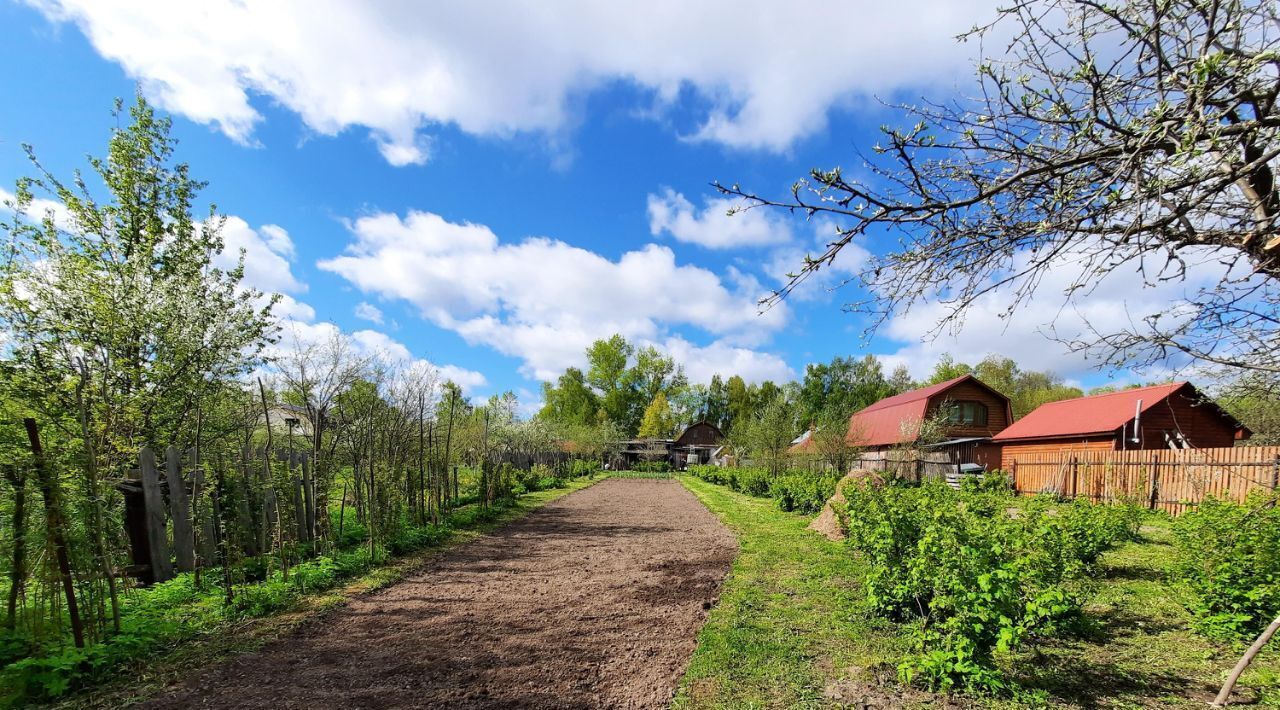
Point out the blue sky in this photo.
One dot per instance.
(492, 188)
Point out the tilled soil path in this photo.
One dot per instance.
(592, 601)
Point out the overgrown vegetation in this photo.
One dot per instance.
(289, 458)
(1229, 565)
(971, 575)
(795, 626)
(795, 490)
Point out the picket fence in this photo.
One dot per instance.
(1172, 480)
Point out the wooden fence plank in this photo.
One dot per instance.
(153, 499)
(184, 541)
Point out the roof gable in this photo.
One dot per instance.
(890, 420)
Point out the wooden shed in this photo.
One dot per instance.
(696, 444)
(1170, 416)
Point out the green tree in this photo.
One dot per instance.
(767, 435)
(1025, 389)
(837, 389)
(718, 402)
(948, 369)
(121, 328)
(737, 401)
(658, 421)
(607, 374)
(570, 401)
(900, 381)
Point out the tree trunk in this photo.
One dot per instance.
(1244, 662)
(57, 528)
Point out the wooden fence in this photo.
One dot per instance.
(1173, 480)
(908, 464)
(173, 516)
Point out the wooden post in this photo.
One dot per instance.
(299, 501)
(1153, 482)
(309, 493)
(57, 528)
(1075, 476)
(184, 541)
(1275, 474)
(153, 499)
(208, 547)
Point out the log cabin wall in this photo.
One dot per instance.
(997, 409)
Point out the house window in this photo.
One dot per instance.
(967, 414)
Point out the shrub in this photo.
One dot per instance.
(652, 466)
(994, 482)
(1229, 565)
(803, 492)
(579, 468)
(972, 579)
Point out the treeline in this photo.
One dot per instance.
(645, 393)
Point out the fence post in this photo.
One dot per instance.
(1153, 480)
(153, 499)
(1275, 473)
(184, 541)
(1075, 477)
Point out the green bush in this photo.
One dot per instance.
(1229, 565)
(579, 468)
(971, 577)
(803, 492)
(994, 482)
(652, 466)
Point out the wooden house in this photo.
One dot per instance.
(696, 444)
(1171, 416)
(973, 413)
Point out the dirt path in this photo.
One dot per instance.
(591, 601)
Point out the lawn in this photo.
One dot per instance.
(787, 632)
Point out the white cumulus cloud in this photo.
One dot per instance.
(540, 299)
(368, 311)
(762, 74)
(268, 251)
(712, 226)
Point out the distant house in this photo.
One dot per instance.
(973, 413)
(803, 444)
(697, 444)
(284, 417)
(1172, 416)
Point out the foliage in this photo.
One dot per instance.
(1229, 565)
(767, 436)
(787, 627)
(803, 492)
(973, 579)
(658, 422)
(835, 390)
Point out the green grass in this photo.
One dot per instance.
(786, 625)
(205, 636)
(787, 633)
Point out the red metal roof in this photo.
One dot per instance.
(883, 423)
(1099, 414)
